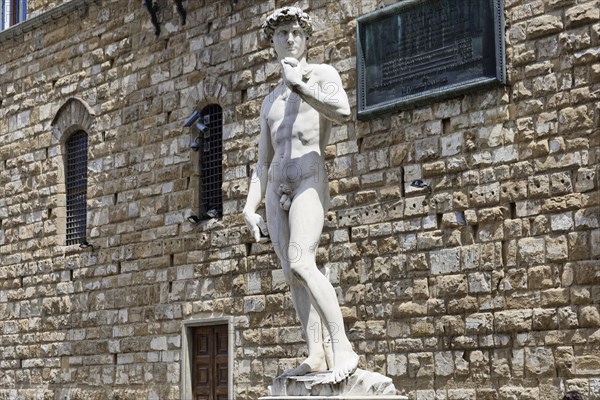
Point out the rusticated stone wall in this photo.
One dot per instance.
(487, 287)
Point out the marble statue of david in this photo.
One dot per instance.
(296, 120)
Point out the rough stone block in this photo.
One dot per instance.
(479, 323)
(411, 309)
(420, 365)
(254, 304)
(480, 282)
(582, 14)
(585, 272)
(595, 243)
(585, 180)
(531, 251)
(397, 364)
(451, 285)
(579, 245)
(567, 318)
(513, 320)
(445, 261)
(430, 240)
(574, 119)
(557, 248)
(444, 364)
(588, 218)
(543, 26)
(589, 317)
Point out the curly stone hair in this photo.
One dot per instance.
(287, 14)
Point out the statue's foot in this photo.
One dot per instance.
(345, 363)
(346, 368)
(309, 365)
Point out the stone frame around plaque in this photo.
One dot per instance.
(404, 60)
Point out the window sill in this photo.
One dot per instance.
(73, 249)
(40, 20)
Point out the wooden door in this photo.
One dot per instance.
(210, 371)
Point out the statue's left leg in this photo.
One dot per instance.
(306, 217)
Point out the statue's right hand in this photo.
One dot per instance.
(255, 223)
(291, 72)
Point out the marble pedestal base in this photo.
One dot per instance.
(340, 397)
(361, 385)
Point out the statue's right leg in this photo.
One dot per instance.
(306, 217)
(312, 327)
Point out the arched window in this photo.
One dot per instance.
(211, 160)
(71, 127)
(76, 149)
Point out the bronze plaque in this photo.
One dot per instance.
(417, 51)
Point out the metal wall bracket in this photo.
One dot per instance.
(152, 8)
(181, 11)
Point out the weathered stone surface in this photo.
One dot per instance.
(515, 320)
(582, 14)
(543, 26)
(498, 262)
(531, 251)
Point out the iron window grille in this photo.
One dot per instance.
(13, 12)
(211, 163)
(76, 182)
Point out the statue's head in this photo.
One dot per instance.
(286, 15)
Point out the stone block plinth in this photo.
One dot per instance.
(360, 385)
(339, 397)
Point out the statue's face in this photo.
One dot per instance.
(289, 40)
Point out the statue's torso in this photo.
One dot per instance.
(297, 132)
